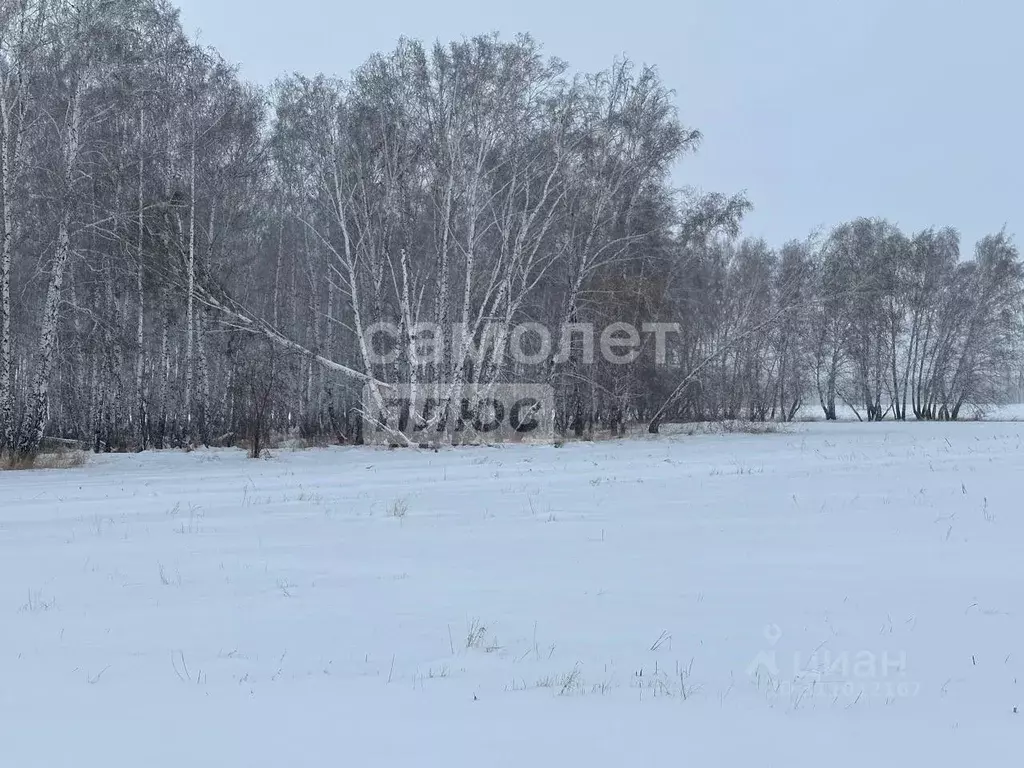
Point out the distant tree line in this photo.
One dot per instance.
(188, 259)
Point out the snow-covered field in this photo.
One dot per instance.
(838, 594)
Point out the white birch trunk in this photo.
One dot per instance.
(36, 426)
(6, 256)
(13, 113)
(190, 306)
(142, 406)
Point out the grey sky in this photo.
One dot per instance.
(822, 110)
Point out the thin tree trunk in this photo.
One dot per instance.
(190, 309)
(11, 135)
(6, 255)
(142, 407)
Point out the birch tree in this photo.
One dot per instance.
(20, 48)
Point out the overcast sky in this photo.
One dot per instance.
(822, 110)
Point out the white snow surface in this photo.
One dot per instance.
(834, 595)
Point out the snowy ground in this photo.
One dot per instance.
(841, 594)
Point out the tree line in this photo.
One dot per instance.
(189, 259)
